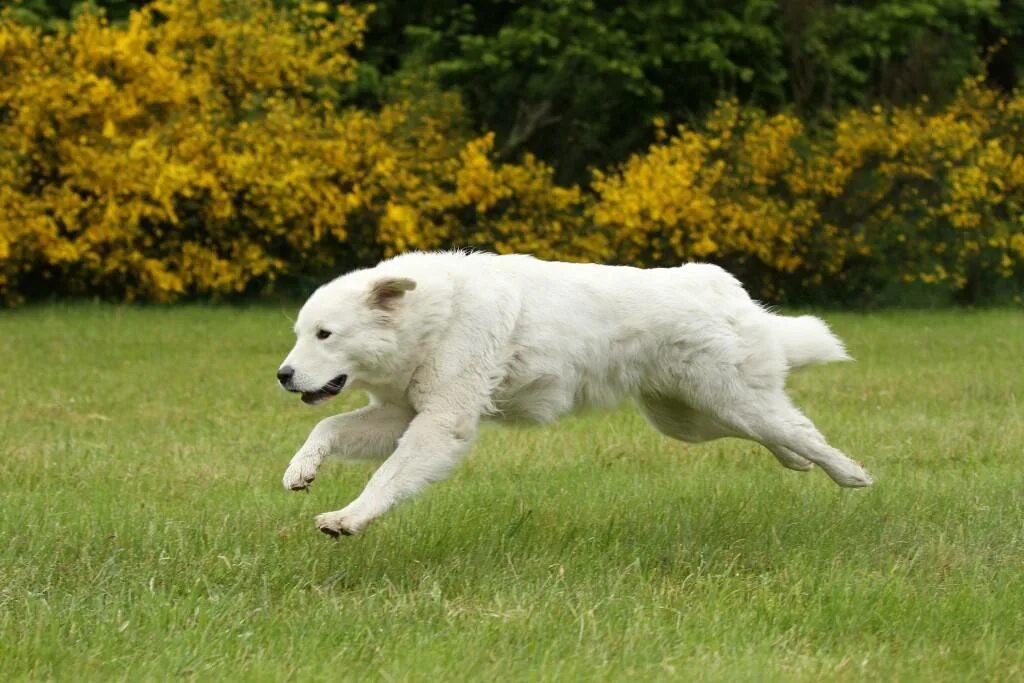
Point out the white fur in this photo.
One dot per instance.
(476, 335)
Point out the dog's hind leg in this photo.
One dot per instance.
(678, 420)
(371, 432)
(789, 459)
(771, 419)
(792, 431)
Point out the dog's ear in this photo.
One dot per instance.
(386, 292)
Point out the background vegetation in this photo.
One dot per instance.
(144, 533)
(841, 152)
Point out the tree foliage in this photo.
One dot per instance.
(578, 82)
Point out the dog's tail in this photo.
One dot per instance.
(807, 340)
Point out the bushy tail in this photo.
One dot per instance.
(807, 340)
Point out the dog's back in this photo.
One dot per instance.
(588, 335)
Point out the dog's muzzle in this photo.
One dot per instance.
(332, 388)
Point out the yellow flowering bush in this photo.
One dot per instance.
(718, 194)
(203, 148)
(199, 149)
(171, 154)
(516, 208)
(882, 197)
(932, 198)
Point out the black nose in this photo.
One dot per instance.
(285, 373)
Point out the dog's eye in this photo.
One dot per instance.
(323, 334)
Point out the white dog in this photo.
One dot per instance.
(441, 340)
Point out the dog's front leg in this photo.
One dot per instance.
(370, 432)
(434, 443)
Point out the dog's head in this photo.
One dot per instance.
(345, 333)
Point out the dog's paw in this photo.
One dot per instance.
(851, 475)
(300, 474)
(339, 523)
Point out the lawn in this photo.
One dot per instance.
(144, 533)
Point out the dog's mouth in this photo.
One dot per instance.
(329, 390)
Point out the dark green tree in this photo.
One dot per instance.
(578, 82)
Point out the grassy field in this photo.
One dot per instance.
(145, 535)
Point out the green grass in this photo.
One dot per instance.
(144, 533)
